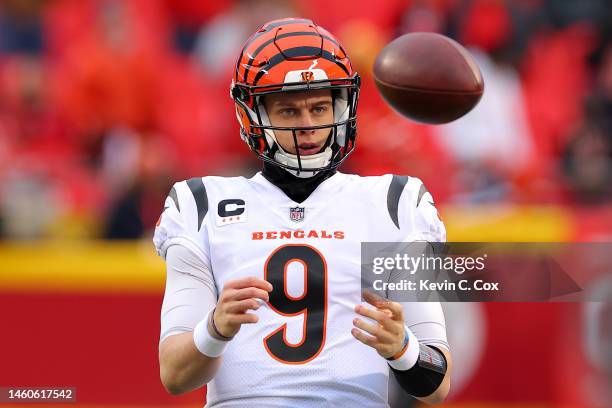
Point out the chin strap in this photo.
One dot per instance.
(311, 161)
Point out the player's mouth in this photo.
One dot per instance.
(306, 149)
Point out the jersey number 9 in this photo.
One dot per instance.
(312, 304)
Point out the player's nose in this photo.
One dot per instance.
(306, 120)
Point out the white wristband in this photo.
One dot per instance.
(205, 342)
(409, 355)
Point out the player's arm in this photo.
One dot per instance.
(190, 294)
(421, 370)
(182, 367)
(196, 328)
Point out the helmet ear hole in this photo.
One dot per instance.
(262, 116)
(235, 93)
(262, 103)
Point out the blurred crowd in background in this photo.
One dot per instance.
(105, 103)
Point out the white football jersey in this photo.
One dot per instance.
(301, 352)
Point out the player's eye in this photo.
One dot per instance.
(287, 113)
(319, 109)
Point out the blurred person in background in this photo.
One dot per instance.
(587, 159)
(408, 147)
(136, 170)
(30, 130)
(221, 39)
(588, 164)
(21, 28)
(493, 142)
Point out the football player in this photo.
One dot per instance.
(263, 297)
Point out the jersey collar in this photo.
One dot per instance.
(276, 197)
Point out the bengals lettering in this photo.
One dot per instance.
(299, 234)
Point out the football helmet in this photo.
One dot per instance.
(295, 55)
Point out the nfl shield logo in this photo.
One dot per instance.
(296, 214)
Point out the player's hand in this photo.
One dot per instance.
(237, 297)
(387, 334)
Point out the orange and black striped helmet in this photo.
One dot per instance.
(295, 55)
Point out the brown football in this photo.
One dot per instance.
(428, 78)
